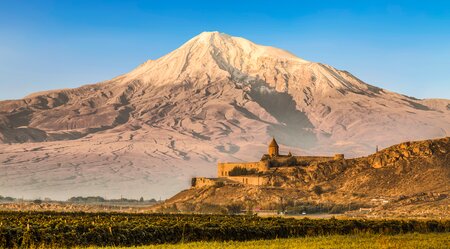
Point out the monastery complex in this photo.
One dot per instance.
(259, 173)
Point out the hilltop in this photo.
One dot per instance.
(408, 179)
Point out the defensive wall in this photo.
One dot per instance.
(250, 180)
(198, 182)
(223, 169)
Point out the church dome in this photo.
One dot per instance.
(273, 143)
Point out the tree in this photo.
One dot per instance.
(234, 208)
(317, 190)
(239, 171)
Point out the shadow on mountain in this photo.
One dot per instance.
(295, 129)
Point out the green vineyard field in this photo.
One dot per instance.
(360, 241)
(30, 229)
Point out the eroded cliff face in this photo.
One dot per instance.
(413, 172)
(408, 152)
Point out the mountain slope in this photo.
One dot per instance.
(217, 97)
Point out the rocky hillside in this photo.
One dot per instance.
(216, 98)
(408, 177)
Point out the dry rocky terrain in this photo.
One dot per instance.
(408, 179)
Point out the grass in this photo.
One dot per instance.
(412, 240)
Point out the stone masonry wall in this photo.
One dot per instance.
(250, 180)
(223, 169)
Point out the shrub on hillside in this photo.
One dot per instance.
(239, 171)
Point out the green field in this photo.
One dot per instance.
(50, 229)
(431, 240)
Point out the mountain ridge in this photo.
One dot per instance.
(207, 101)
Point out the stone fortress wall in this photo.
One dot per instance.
(223, 169)
(250, 180)
(199, 182)
(272, 160)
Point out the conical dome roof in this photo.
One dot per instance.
(273, 143)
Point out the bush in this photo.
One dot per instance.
(37, 201)
(235, 208)
(238, 171)
(317, 190)
(219, 184)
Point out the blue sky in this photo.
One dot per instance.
(403, 46)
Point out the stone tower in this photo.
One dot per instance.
(273, 148)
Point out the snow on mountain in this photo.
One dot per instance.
(216, 98)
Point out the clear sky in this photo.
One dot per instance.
(403, 46)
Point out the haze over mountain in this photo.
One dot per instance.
(217, 97)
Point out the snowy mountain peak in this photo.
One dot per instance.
(215, 56)
(228, 44)
(206, 36)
